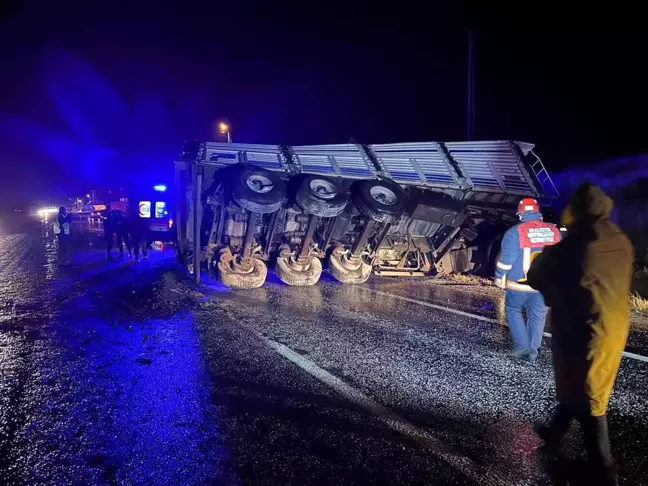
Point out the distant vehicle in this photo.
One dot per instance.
(407, 209)
(96, 211)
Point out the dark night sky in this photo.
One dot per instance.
(91, 97)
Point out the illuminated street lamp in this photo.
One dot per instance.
(225, 129)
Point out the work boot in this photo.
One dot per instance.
(597, 444)
(551, 438)
(553, 433)
(530, 357)
(519, 354)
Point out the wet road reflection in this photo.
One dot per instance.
(479, 299)
(446, 373)
(484, 300)
(102, 379)
(122, 373)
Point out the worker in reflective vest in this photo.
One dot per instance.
(520, 245)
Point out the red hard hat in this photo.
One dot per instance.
(528, 205)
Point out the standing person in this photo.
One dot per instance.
(520, 245)
(120, 227)
(586, 280)
(62, 231)
(109, 231)
(138, 232)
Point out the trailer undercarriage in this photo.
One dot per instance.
(410, 209)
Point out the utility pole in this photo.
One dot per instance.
(470, 105)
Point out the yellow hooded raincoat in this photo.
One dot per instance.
(586, 279)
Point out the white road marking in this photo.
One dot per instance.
(433, 306)
(626, 354)
(387, 416)
(639, 357)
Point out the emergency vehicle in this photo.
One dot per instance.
(152, 205)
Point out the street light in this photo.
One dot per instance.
(225, 129)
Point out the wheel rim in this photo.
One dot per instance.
(383, 195)
(323, 188)
(259, 183)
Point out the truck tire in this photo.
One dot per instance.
(346, 275)
(382, 201)
(322, 196)
(259, 190)
(298, 278)
(236, 280)
(494, 254)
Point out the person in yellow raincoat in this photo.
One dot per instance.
(586, 279)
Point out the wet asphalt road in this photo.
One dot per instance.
(121, 373)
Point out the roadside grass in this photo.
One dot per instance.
(638, 303)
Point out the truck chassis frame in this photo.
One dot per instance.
(407, 209)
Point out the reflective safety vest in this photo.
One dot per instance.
(520, 245)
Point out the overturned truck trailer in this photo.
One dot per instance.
(405, 209)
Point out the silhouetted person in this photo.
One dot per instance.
(120, 227)
(138, 232)
(586, 280)
(62, 230)
(109, 231)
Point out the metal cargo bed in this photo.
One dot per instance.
(505, 167)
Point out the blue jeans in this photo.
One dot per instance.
(526, 335)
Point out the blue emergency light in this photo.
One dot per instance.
(160, 188)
